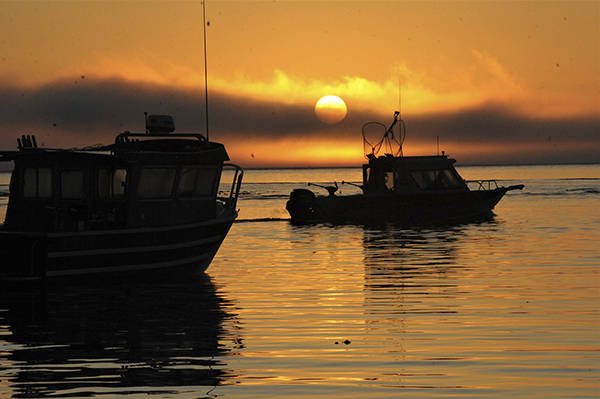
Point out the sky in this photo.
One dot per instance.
(495, 82)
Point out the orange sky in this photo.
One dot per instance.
(541, 60)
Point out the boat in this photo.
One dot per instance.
(412, 190)
(149, 201)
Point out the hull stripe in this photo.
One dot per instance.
(153, 248)
(221, 220)
(128, 268)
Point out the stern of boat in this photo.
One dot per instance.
(302, 206)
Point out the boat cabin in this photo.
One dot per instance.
(398, 175)
(141, 180)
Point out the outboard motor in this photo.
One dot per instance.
(302, 205)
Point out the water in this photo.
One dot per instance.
(504, 308)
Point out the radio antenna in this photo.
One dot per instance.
(399, 98)
(205, 67)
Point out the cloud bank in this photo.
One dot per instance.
(88, 110)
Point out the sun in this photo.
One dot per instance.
(330, 109)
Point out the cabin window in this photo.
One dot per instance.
(389, 180)
(197, 182)
(111, 183)
(119, 179)
(71, 184)
(30, 183)
(425, 179)
(449, 179)
(156, 183)
(435, 179)
(401, 179)
(37, 183)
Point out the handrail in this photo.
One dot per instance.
(123, 137)
(484, 185)
(236, 184)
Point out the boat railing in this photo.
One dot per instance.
(482, 185)
(125, 136)
(236, 184)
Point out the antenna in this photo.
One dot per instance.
(205, 67)
(399, 98)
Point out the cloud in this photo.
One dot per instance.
(88, 110)
(108, 104)
(497, 123)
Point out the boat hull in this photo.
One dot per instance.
(31, 256)
(411, 209)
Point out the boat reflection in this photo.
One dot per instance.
(411, 282)
(153, 337)
(396, 254)
(414, 270)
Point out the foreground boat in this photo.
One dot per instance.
(402, 189)
(147, 202)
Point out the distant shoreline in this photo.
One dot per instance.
(478, 165)
(6, 168)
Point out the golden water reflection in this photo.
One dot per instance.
(378, 312)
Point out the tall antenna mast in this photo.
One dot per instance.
(399, 98)
(205, 67)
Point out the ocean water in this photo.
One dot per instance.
(496, 309)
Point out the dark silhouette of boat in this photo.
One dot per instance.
(149, 201)
(402, 189)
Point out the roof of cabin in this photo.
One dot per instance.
(415, 162)
(159, 150)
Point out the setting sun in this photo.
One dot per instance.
(330, 109)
